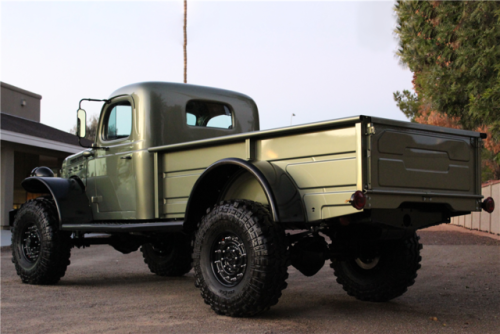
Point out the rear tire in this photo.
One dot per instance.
(240, 259)
(170, 257)
(40, 251)
(381, 278)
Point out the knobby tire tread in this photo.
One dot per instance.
(271, 259)
(56, 245)
(178, 264)
(400, 271)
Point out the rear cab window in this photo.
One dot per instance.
(209, 114)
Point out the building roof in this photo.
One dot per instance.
(20, 90)
(35, 129)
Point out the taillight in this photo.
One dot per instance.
(488, 205)
(358, 200)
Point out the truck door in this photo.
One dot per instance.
(111, 172)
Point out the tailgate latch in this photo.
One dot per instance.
(370, 129)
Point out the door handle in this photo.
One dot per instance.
(127, 157)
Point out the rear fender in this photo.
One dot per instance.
(69, 196)
(284, 200)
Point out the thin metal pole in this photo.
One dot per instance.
(291, 119)
(185, 41)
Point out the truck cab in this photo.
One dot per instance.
(118, 173)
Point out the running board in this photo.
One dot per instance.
(172, 226)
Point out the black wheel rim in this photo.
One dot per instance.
(367, 263)
(31, 243)
(162, 249)
(228, 259)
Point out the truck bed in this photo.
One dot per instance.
(394, 163)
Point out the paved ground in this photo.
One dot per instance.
(457, 291)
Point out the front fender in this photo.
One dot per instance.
(69, 196)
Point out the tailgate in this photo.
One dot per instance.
(409, 162)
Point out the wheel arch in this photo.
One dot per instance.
(284, 200)
(69, 196)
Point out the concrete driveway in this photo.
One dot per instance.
(457, 291)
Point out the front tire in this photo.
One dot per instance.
(170, 257)
(240, 259)
(384, 277)
(40, 251)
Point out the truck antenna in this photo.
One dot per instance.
(185, 41)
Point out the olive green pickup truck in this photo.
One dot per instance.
(183, 173)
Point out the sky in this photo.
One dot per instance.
(317, 60)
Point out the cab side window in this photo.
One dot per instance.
(209, 114)
(118, 122)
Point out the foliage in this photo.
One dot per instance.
(408, 103)
(432, 117)
(452, 49)
(92, 123)
(491, 156)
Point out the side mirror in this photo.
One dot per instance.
(81, 123)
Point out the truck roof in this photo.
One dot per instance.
(168, 89)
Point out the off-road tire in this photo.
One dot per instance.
(170, 257)
(395, 271)
(263, 278)
(40, 251)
